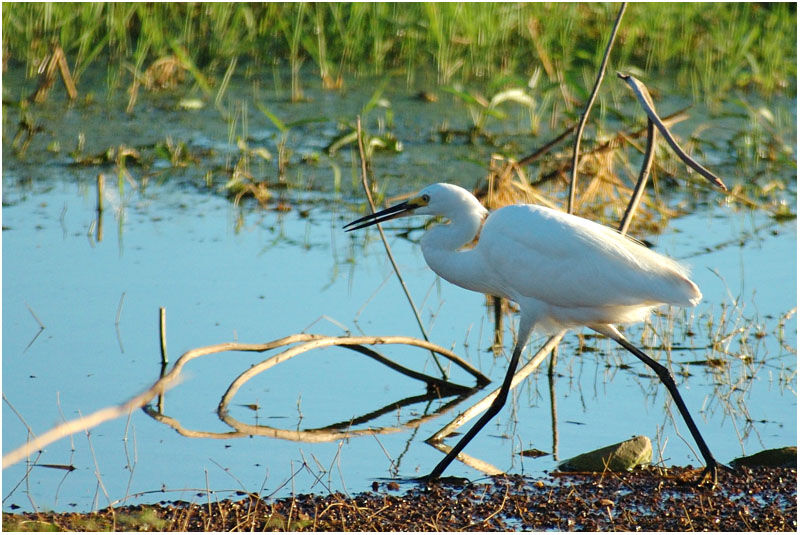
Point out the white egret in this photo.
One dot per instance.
(562, 270)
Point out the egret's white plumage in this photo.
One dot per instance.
(563, 271)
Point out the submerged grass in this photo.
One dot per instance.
(710, 48)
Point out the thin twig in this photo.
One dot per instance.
(41, 325)
(116, 322)
(39, 332)
(388, 249)
(162, 332)
(551, 380)
(21, 419)
(585, 114)
(547, 146)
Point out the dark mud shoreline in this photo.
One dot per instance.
(651, 499)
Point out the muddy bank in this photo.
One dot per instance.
(651, 499)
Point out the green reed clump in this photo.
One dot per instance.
(710, 48)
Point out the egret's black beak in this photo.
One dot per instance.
(398, 210)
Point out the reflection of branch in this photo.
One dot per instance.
(168, 380)
(442, 388)
(330, 433)
(392, 407)
(176, 425)
(436, 440)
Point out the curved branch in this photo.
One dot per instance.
(644, 98)
(171, 378)
(350, 342)
(638, 190)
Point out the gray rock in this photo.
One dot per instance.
(617, 457)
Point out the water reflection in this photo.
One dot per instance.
(437, 389)
(181, 253)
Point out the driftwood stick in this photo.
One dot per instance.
(350, 342)
(86, 422)
(472, 462)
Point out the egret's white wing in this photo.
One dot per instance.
(568, 261)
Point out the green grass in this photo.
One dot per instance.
(709, 48)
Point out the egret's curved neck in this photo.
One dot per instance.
(441, 247)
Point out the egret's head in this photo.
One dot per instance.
(437, 199)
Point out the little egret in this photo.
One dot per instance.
(562, 270)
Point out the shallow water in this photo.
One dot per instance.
(228, 273)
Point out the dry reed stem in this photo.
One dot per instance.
(47, 74)
(585, 115)
(162, 334)
(386, 244)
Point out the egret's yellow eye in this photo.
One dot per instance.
(426, 198)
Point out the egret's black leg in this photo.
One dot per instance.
(490, 413)
(666, 378)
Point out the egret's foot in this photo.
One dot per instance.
(709, 475)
